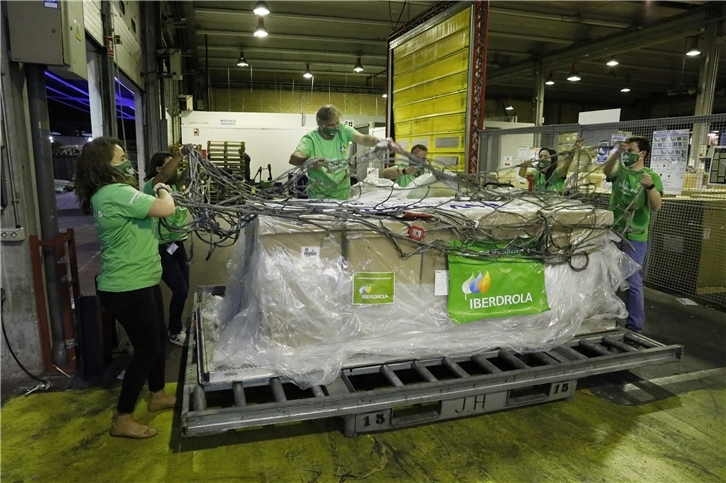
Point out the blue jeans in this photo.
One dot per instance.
(175, 274)
(634, 300)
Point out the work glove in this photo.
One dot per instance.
(161, 186)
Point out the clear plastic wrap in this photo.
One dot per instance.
(288, 304)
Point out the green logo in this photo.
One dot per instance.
(501, 287)
(373, 288)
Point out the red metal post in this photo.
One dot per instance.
(43, 329)
(477, 82)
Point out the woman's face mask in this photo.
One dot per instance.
(544, 161)
(630, 159)
(125, 168)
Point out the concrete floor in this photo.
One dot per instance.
(661, 423)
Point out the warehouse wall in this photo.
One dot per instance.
(18, 310)
(297, 101)
(127, 25)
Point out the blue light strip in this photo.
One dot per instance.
(121, 102)
(68, 97)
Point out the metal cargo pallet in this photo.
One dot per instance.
(399, 394)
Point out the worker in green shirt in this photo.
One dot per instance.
(403, 173)
(128, 285)
(164, 168)
(324, 152)
(550, 175)
(636, 191)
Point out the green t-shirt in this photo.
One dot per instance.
(557, 181)
(404, 179)
(178, 219)
(630, 198)
(332, 180)
(129, 247)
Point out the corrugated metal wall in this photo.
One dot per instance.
(430, 81)
(127, 25)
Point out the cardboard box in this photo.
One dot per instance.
(712, 263)
(368, 250)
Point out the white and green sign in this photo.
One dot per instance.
(497, 287)
(373, 288)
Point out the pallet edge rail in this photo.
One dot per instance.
(486, 382)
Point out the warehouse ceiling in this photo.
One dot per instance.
(329, 36)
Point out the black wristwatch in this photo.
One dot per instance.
(650, 187)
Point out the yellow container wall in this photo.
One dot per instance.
(430, 82)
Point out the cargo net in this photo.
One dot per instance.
(302, 272)
(550, 226)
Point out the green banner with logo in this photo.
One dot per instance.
(371, 288)
(497, 287)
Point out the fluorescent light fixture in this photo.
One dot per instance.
(358, 66)
(260, 31)
(694, 50)
(307, 74)
(242, 62)
(261, 9)
(550, 81)
(612, 62)
(574, 74)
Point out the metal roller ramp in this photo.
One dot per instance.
(400, 394)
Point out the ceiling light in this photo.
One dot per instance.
(694, 50)
(358, 66)
(242, 62)
(261, 9)
(574, 74)
(307, 74)
(612, 62)
(385, 96)
(260, 31)
(509, 107)
(550, 81)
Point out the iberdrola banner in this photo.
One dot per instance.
(501, 287)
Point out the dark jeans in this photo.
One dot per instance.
(175, 275)
(141, 313)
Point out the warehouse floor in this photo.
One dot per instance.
(662, 423)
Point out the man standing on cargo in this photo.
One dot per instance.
(636, 191)
(324, 152)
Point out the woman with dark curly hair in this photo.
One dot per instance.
(128, 285)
